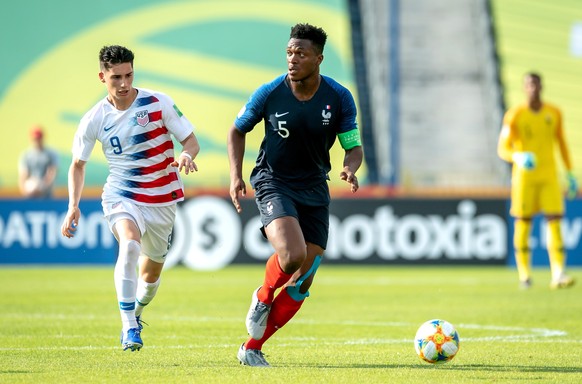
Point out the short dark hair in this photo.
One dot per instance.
(111, 55)
(309, 32)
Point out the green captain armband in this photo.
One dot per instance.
(350, 139)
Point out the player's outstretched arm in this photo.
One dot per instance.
(352, 162)
(572, 191)
(236, 149)
(505, 144)
(76, 181)
(190, 149)
(572, 186)
(506, 151)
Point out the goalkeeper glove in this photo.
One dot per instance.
(525, 160)
(572, 186)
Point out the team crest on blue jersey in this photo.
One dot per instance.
(326, 114)
(142, 117)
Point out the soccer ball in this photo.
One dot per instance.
(436, 341)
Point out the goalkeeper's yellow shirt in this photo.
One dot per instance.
(539, 132)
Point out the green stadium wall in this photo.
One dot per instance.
(546, 37)
(208, 55)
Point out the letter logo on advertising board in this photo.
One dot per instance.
(207, 234)
(30, 233)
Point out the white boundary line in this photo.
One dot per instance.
(513, 334)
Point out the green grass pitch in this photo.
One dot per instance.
(61, 325)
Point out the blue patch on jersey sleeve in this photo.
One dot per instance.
(141, 101)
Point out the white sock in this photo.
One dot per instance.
(145, 294)
(125, 276)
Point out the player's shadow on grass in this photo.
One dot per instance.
(12, 371)
(512, 368)
(452, 367)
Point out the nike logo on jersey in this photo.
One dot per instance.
(277, 114)
(108, 128)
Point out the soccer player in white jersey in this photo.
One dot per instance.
(135, 128)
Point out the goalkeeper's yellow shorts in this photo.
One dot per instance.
(531, 198)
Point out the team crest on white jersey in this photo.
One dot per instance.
(142, 117)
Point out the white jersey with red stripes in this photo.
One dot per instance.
(138, 146)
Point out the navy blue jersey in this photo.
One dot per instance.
(298, 134)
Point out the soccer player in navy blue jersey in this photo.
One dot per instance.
(303, 113)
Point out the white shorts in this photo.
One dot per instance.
(155, 224)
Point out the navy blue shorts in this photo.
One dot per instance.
(309, 206)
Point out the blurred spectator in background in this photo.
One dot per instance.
(530, 134)
(37, 168)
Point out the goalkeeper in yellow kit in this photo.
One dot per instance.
(531, 132)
